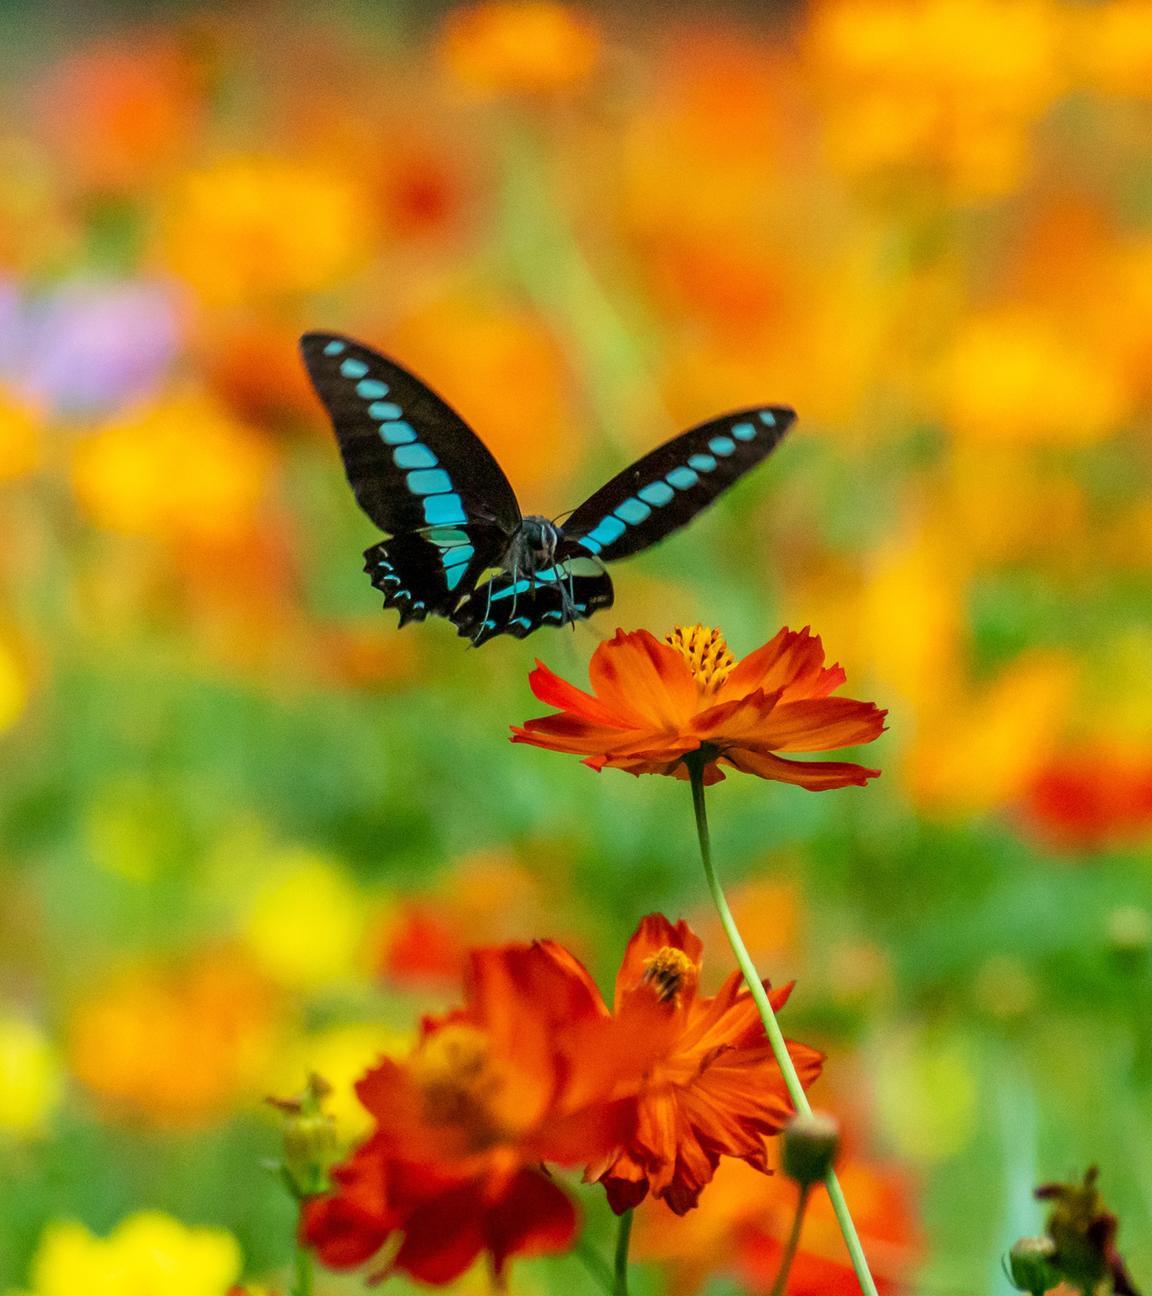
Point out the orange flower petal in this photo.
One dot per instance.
(645, 682)
(557, 692)
(821, 724)
(815, 776)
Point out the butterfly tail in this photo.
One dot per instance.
(402, 581)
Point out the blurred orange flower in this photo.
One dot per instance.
(655, 703)
(181, 469)
(175, 1048)
(749, 1216)
(1091, 798)
(116, 112)
(711, 1087)
(519, 1076)
(520, 46)
(251, 227)
(21, 433)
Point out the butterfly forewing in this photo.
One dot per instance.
(412, 461)
(667, 487)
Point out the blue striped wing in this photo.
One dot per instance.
(418, 471)
(665, 489)
(507, 605)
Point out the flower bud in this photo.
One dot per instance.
(1030, 1267)
(811, 1143)
(310, 1143)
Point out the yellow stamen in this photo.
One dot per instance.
(459, 1083)
(706, 652)
(669, 971)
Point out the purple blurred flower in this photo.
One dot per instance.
(88, 346)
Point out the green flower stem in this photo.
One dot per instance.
(789, 1252)
(623, 1237)
(304, 1271)
(696, 763)
(599, 1268)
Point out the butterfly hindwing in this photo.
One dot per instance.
(667, 487)
(519, 606)
(411, 460)
(425, 574)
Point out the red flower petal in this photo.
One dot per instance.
(815, 776)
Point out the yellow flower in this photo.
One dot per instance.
(14, 684)
(180, 469)
(263, 226)
(147, 1254)
(30, 1082)
(1114, 46)
(305, 925)
(1000, 363)
(520, 46)
(20, 437)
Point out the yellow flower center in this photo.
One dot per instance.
(707, 653)
(668, 972)
(459, 1083)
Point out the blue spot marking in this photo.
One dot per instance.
(414, 456)
(509, 590)
(702, 462)
(488, 625)
(461, 556)
(658, 494)
(767, 418)
(554, 614)
(521, 621)
(429, 481)
(370, 388)
(586, 542)
(334, 348)
(607, 530)
(633, 511)
(747, 431)
(397, 433)
(722, 446)
(448, 536)
(454, 575)
(353, 368)
(384, 410)
(389, 577)
(682, 478)
(550, 575)
(443, 510)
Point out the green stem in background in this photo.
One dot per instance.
(696, 762)
(304, 1271)
(623, 1237)
(789, 1252)
(595, 1263)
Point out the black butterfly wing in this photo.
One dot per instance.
(418, 471)
(667, 487)
(504, 605)
(411, 460)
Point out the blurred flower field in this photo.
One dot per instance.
(249, 832)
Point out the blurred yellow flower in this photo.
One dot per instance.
(1113, 46)
(146, 1254)
(340, 1054)
(252, 227)
(306, 923)
(950, 86)
(1013, 376)
(927, 1095)
(21, 430)
(175, 1047)
(15, 685)
(520, 46)
(30, 1080)
(180, 468)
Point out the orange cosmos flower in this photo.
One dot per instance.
(655, 703)
(520, 46)
(521, 1075)
(711, 1087)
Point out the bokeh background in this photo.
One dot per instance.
(248, 828)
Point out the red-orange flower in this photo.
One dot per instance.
(516, 1078)
(711, 1087)
(652, 704)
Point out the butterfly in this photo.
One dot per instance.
(424, 477)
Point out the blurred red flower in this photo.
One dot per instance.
(711, 1087)
(654, 703)
(1091, 799)
(523, 1074)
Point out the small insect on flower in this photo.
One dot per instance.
(655, 703)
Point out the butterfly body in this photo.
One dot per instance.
(424, 477)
